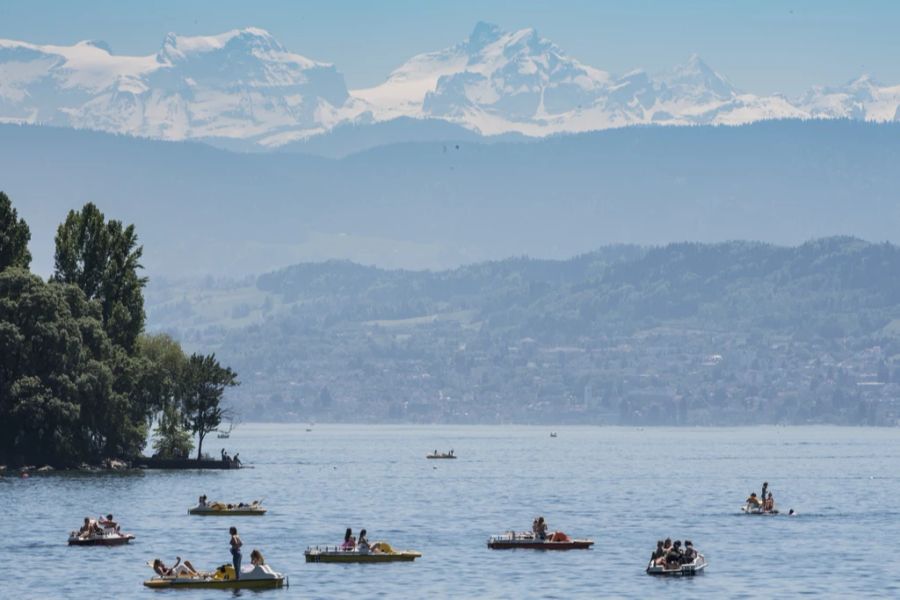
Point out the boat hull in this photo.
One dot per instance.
(119, 540)
(439, 457)
(688, 570)
(758, 512)
(313, 556)
(540, 545)
(222, 584)
(234, 512)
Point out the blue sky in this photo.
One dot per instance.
(762, 46)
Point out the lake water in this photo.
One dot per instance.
(623, 487)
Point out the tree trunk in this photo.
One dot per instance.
(200, 445)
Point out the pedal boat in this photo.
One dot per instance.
(222, 578)
(749, 509)
(527, 539)
(335, 554)
(108, 537)
(691, 568)
(445, 455)
(220, 509)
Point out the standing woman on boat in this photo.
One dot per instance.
(236, 544)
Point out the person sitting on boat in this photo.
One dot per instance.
(690, 553)
(179, 569)
(674, 556)
(362, 543)
(541, 530)
(256, 558)
(753, 501)
(236, 461)
(109, 523)
(667, 545)
(349, 541)
(769, 505)
(659, 555)
(201, 502)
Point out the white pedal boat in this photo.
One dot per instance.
(691, 568)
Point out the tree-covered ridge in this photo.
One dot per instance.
(736, 332)
(79, 381)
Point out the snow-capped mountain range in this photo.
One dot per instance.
(244, 85)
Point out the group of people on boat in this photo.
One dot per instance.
(763, 502)
(234, 460)
(361, 544)
(203, 502)
(672, 555)
(97, 526)
(186, 569)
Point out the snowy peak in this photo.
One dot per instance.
(698, 80)
(250, 41)
(481, 36)
(244, 84)
(239, 84)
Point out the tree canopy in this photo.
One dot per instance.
(79, 380)
(14, 237)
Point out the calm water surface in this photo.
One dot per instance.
(623, 487)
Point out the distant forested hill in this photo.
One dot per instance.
(737, 332)
(439, 204)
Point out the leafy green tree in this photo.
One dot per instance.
(203, 385)
(14, 237)
(103, 258)
(50, 342)
(171, 439)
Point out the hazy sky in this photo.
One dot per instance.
(762, 46)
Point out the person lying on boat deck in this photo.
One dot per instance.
(362, 543)
(349, 540)
(179, 569)
(753, 500)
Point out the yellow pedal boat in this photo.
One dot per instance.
(220, 509)
(222, 578)
(380, 552)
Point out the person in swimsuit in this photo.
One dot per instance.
(236, 556)
(363, 542)
(179, 569)
(349, 540)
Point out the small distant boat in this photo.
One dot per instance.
(527, 539)
(224, 434)
(381, 552)
(107, 537)
(259, 577)
(552, 434)
(221, 509)
(308, 429)
(437, 454)
(691, 568)
(750, 509)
